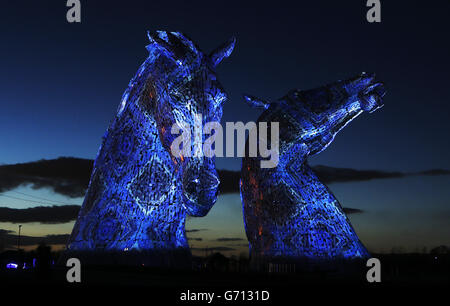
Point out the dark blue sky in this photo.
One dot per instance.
(61, 83)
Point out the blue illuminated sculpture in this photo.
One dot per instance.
(139, 193)
(288, 212)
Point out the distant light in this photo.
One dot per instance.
(11, 265)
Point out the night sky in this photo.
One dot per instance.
(61, 85)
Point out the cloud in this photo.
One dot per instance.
(9, 240)
(434, 172)
(194, 230)
(41, 214)
(229, 180)
(349, 210)
(49, 239)
(229, 239)
(65, 175)
(331, 174)
(4, 232)
(215, 249)
(70, 176)
(240, 245)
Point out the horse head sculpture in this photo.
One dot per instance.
(139, 193)
(288, 212)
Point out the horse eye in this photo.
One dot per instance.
(176, 95)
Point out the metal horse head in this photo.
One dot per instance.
(288, 212)
(139, 193)
(314, 117)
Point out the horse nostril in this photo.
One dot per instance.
(192, 187)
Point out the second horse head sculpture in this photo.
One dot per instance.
(288, 212)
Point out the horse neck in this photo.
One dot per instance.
(311, 189)
(298, 175)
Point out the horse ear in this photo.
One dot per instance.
(222, 51)
(160, 38)
(256, 102)
(157, 36)
(150, 37)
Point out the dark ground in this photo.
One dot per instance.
(403, 278)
